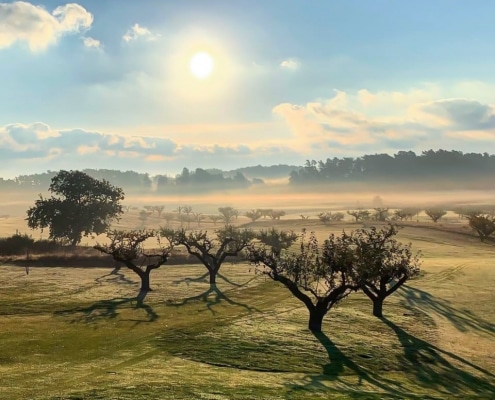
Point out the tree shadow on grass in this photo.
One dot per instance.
(339, 365)
(439, 373)
(117, 276)
(110, 309)
(441, 370)
(205, 279)
(211, 297)
(463, 320)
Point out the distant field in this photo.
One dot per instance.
(75, 333)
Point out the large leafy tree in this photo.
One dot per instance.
(80, 205)
(382, 263)
(319, 276)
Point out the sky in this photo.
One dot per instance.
(108, 84)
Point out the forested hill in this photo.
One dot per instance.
(468, 170)
(429, 167)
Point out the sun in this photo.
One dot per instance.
(201, 65)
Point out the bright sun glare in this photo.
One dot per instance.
(201, 65)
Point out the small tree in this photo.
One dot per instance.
(382, 263)
(320, 278)
(198, 217)
(215, 218)
(482, 224)
(265, 212)
(435, 214)
(159, 210)
(81, 206)
(325, 217)
(253, 215)
(360, 215)
(187, 210)
(228, 214)
(337, 216)
(381, 214)
(211, 251)
(403, 214)
(149, 209)
(276, 214)
(127, 248)
(143, 216)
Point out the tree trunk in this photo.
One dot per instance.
(145, 281)
(378, 307)
(316, 320)
(213, 277)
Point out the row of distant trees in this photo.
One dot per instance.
(405, 166)
(198, 179)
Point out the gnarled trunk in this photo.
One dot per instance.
(213, 276)
(145, 281)
(316, 319)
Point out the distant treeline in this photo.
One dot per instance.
(429, 168)
(405, 166)
(198, 179)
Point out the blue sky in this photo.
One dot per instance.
(107, 84)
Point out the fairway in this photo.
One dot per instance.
(77, 333)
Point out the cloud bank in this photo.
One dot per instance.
(385, 121)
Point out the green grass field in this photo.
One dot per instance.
(77, 333)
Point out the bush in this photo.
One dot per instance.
(45, 246)
(15, 245)
(18, 245)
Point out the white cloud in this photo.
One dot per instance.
(291, 64)
(383, 120)
(24, 22)
(91, 43)
(136, 32)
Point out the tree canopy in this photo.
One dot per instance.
(382, 263)
(80, 205)
(320, 277)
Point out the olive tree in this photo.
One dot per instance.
(80, 205)
(435, 213)
(382, 263)
(212, 251)
(482, 224)
(253, 215)
(359, 215)
(128, 248)
(320, 277)
(228, 214)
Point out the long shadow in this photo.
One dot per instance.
(463, 320)
(109, 309)
(119, 277)
(212, 296)
(205, 279)
(431, 367)
(340, 364)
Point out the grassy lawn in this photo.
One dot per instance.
(77, 333)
